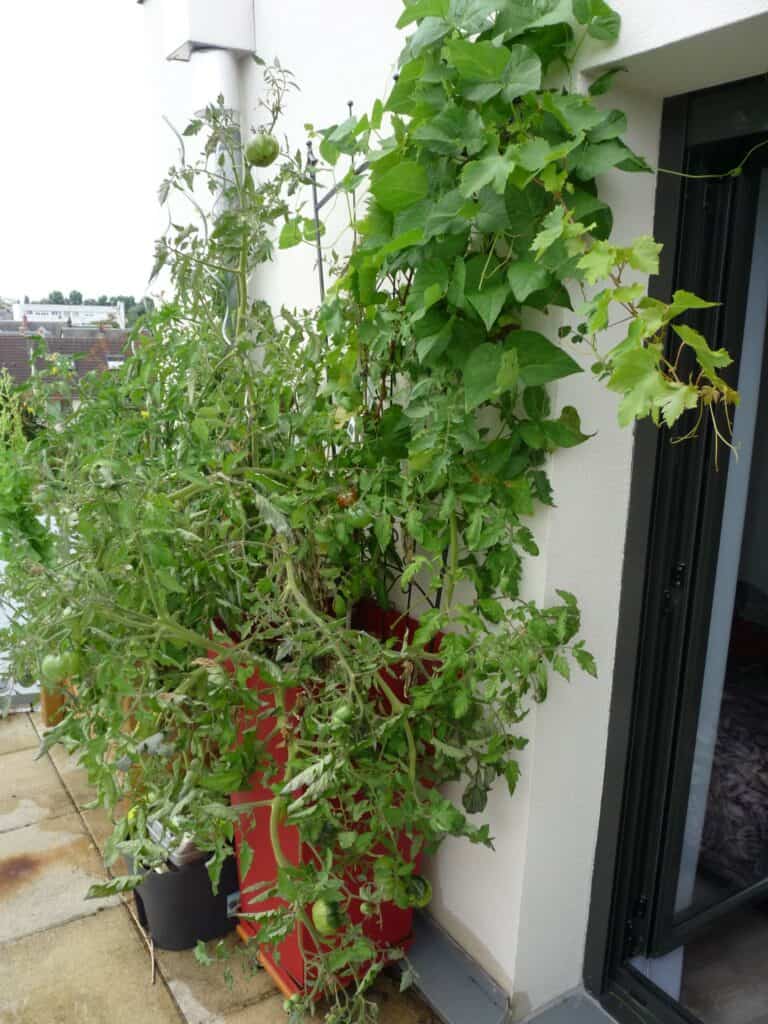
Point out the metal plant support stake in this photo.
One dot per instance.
(319, 202)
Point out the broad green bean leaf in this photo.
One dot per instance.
(489, 302)
(377, 223)
(432, 346)
(601, 20)
(412, 218)
(534, 154)
(536, 403)
(589, 210)
(612, 126)
(539, 360)
(526, 276)
(597, 262)
(634, 164)
(681, 398)
(477, 62)
(430, 31)
(509, 371)
(394, 433)
(551, 42)
(565, 432)
(456, 289)
(492, 217)
(525, 208)
(401, 186)
(481, 371)
(603, 82)
(471, 15)
(533, 435)
(432, 277)
(519, 15)
(644, 254)
(423, 9)
(493, 170)
(449, 215)
(637, 376)
(401, 99)
(412, 237)
(522, 74)
(454, 130)
(290, 235)
(590, 160)
(710, 360)
(575, 113)
(552, 228)
(682, 301)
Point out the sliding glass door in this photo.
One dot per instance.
(687, 913)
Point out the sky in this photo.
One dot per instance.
(78, 207)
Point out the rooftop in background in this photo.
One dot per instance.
(99, 348)
(73, 316)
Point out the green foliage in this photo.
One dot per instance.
(257, 476)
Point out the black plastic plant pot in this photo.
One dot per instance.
(178, 907)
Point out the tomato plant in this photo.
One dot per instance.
(225, 499)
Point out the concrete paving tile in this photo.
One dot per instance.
(45, 871)
(30, 791)
(93, 971)
(203, 993)
(269, 1011)
(101, 824)
(394, 1008)
(397, 1007)
(74, 777)
(17, 733)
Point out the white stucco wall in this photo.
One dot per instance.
(522, 911)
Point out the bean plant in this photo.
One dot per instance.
(224, 501)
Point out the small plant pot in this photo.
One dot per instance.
(178, 907)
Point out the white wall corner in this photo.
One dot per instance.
(191, 25)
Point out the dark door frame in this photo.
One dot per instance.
(657, 599)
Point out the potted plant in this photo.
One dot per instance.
(268, 486)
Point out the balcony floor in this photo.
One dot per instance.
(66, 960)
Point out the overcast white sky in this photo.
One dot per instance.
(78, 205)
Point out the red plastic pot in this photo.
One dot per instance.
(393, 927)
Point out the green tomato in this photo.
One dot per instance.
(367, 909)
(52, 668)
(419, 891)
(339, 606)
(327, 916)
(262, 150)
(70, 664)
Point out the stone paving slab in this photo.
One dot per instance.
(74, 777)
(47, 866)
(269, 1011)
(30, 791)
(45, 871)
(202, 992)
(100, 823)
(17, 733)
(92, 971)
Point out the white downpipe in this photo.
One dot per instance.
(213, 73)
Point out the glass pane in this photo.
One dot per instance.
(726, 834)
(720, 976)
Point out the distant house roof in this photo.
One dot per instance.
(98, 348)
